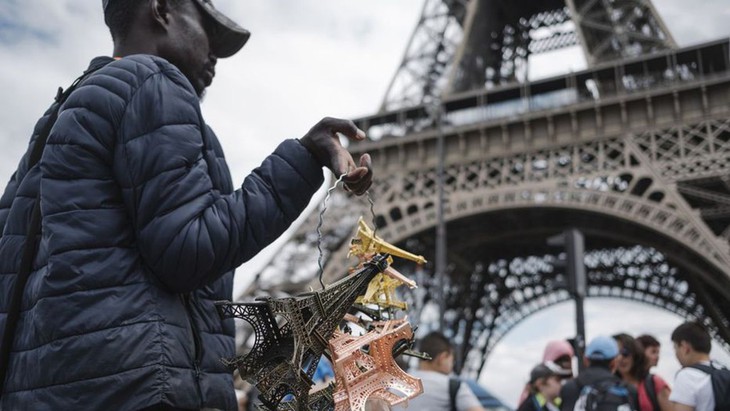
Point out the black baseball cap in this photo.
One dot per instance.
(547, 369)
(227, 38)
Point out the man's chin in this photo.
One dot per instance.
(204, 84)
(200, 88)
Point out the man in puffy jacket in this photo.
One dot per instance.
(141, 225)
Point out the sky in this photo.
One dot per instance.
(307, 59)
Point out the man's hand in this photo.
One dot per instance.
(323, 142)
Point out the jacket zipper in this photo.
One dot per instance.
(197, 345)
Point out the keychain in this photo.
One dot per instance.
(321, 221)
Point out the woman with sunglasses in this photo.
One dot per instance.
(631, 367)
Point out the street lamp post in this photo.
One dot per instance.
(574, 245)
(440, 263)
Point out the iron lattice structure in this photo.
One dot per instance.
(634, 151)
(462, 45)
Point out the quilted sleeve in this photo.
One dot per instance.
(188, 232)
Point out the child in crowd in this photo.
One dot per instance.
(559, 353)
(544, 388)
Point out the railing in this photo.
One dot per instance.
(657, 71)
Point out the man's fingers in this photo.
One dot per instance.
(342, 162)
(360, 135)
(356, 175)
(360, 179)
(363, 187)
(346, 128)
(366, 167)
(323, 141)
(358, 189)
(366, 161)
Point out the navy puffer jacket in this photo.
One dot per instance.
(141, 232)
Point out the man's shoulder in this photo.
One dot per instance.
(141, 62)
(137, 68)
(692, 373)
(126, 77)
(593, 375)
(692, 387)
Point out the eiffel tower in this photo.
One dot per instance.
(633, 151)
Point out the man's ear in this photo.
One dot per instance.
(160, 12)
(440, 357)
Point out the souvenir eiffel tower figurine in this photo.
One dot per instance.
(381, 290)
(365, 366)
(292, 333)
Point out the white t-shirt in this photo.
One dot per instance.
(435, 395)
(693, 387)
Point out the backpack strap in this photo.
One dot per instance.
(650, 388)
(454, 384)
(34, 226)
(633, 397)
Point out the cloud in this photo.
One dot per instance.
(48, 45)
(701, 21)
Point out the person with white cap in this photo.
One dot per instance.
(121, 226)
(600, 361)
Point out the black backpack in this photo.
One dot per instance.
(720, 377)
(651, 392)
(454, 384)
(609, 395)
